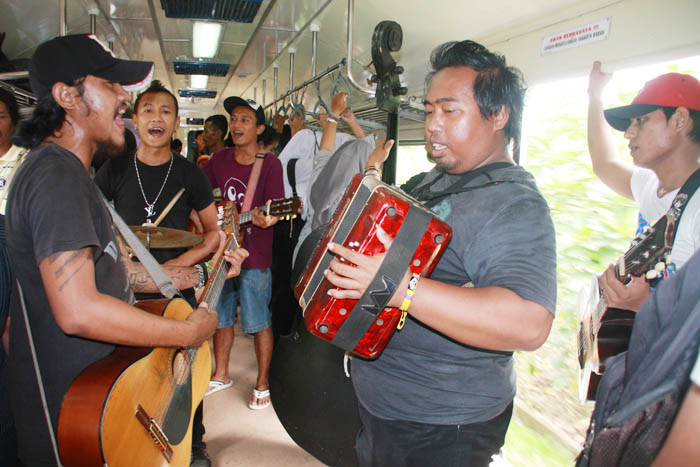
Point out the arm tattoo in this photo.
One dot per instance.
(71, 263)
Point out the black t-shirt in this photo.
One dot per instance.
(118, 181)
(53, 206)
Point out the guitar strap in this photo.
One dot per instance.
(681, 200)
(291, 175)
(252, 182)
(162, 280)
(39, 379)
(431, 199)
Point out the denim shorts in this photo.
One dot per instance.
(254, 289)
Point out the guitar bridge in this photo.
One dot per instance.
(155, 432)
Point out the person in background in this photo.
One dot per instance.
(176, 146)
(231, 170)
(215, 128)
(11, 157)
(662, 125)
(268, 140)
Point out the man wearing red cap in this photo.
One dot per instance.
(662, 125)
(76, 292)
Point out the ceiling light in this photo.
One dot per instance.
(199, 81)
(205, 39)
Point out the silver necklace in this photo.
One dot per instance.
(150, 207)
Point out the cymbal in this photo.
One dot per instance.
(164, 237)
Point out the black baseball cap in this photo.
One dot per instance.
(65, 59)
(232, 102)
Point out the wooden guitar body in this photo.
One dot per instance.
(605, 331)
(135, 406)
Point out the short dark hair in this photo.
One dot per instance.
(268, 136)
(156, 86)
(46, 118)
(10, 102)
(219, 122)
(176, 144)
(694, 116)
(495, 86)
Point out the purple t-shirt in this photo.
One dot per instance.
(232, 179)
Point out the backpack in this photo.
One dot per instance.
(642, 389)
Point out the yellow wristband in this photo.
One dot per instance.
(412, 284)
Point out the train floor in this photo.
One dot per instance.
(238, 436)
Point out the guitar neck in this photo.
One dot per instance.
(247, 217)
(280, 208)
(218, 275)
(647, 250)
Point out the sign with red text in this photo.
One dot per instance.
(582, 35)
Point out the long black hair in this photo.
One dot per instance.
(45, 120)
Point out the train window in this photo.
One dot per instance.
(594, 227)
(411, 159)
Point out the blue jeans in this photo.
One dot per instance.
(254, 287)
(396, 443)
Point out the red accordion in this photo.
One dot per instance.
(365, 326)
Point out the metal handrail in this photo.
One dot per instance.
(311, 80)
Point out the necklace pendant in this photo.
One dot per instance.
(149, 210)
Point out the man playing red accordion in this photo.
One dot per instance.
(442, 390)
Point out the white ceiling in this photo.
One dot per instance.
(140, 30)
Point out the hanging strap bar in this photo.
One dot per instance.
(276, 82)
(311, 80)
(264, 86)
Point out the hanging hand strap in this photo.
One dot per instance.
(162, 280)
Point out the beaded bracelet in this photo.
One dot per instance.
(407, 299)
(371, 170)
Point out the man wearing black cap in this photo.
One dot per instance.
(233, 170)
(72, 281)
(662, 125)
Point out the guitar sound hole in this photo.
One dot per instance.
(181, 366)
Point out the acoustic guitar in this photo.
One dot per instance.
(605, 331)
(135, 406)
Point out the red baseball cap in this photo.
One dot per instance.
(669, 90)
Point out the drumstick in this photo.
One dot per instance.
(169, 207)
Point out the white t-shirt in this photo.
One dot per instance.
(695, 373)
(8, 166)
(303, 146)
(645, 185)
